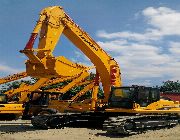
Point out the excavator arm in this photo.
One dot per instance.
(76, 82)
(13, 77)
(25, 89)
(54, 22)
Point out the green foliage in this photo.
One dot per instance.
(61, 84)
(16, 84)
(100, 93)
(170, 86)
(72, 92)
(91, 76)
(68, 95)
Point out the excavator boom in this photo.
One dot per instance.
(52, 23)
(13, 77)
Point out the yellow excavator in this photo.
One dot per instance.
(44, 102)
(13, 77)
(26, 89)
(124, 109)
(12, 108)
(53, 101)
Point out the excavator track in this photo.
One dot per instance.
(61, 120)
(40, 121)
(138, 124)
(114, 124)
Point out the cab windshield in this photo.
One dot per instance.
(119, 93)
(121, 97)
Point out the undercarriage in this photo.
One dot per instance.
(109, 122)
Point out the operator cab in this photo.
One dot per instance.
(39, 98)
(42, 98)
(125, 97)
(37, 101)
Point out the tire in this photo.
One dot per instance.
(47, 111)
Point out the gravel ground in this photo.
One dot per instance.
(23, 130)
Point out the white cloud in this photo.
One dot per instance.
(80, 58)
(142, 82)
(78, 54)
(136, 53)
(173, 70)
(138, 61)
(7, 69)
(141, 61)
(164, 19)
(149, 35)
(175, 48)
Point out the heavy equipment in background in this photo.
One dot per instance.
(10, 110)
(10, 94)
(12, 100)
(39, 102)
(19, 95)
(25, 89)
(125, 110)
(53, 101)
(13, 77)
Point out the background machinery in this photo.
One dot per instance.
(50, 101)
(53, 101)
(123, 109)
(12, 101)
(10, 110)
(13, 77)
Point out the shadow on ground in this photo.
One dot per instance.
(15, 127)
(113, 135)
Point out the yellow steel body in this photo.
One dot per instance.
(75, 82)
(161, 106)
(11, 108)
(13, 77)
(54, 22)
(25, 89)
(72, 105)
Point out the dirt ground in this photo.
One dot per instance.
(23, 130)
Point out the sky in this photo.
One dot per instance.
(142, 35)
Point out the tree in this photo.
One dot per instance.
(170, 86)
(73, 91)
(16, 84)
(68, 95)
